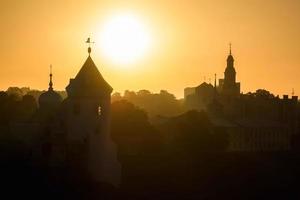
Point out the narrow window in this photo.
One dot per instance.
(99, 110)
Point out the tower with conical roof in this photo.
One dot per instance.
(88, 125)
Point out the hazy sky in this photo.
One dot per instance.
(190, 40)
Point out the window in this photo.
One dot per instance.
(99, 110)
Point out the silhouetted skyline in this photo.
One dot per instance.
(93, 144)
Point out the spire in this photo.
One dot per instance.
(215, 86)
(230, 59)
(215, 81)
(88, 41)
(50, 82)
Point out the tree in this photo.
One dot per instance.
(163, 103)
(193, 133)
(131, 129)
(28, 107)
(16, 92)
(262, 93)
(116, 97)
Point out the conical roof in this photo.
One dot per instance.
(88, 82)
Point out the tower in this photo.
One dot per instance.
(230, 86)
(88, 125)
(230, 73)
(49, 100)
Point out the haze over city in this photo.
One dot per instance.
(179, 43)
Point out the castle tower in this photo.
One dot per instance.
(88, 125)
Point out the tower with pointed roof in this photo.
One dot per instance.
(88, 124)
(229, 86)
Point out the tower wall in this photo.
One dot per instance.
(88, 126)
(88, 138)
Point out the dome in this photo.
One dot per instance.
(230, 58)
(49, 99)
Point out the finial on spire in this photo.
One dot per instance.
(89, 42)
(50, 82)
(230, 48)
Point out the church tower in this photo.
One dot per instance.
(88, 125)
(229, 75)
(230, 86)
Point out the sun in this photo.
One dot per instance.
(124, 39)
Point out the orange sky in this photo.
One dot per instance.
(190, 41)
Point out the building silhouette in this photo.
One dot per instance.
(228, 86)
(87, 123)
(74, 133)
(254, 121)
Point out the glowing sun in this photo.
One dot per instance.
(124, 39)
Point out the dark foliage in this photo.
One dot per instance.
(132, 131)
(181, 157)
(162, 103)
(193, 133)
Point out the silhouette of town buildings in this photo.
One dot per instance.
(74, 133)
(255, 121)
(214, 129)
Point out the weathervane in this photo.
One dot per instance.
(88, 41)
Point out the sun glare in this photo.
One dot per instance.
(124, 39)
